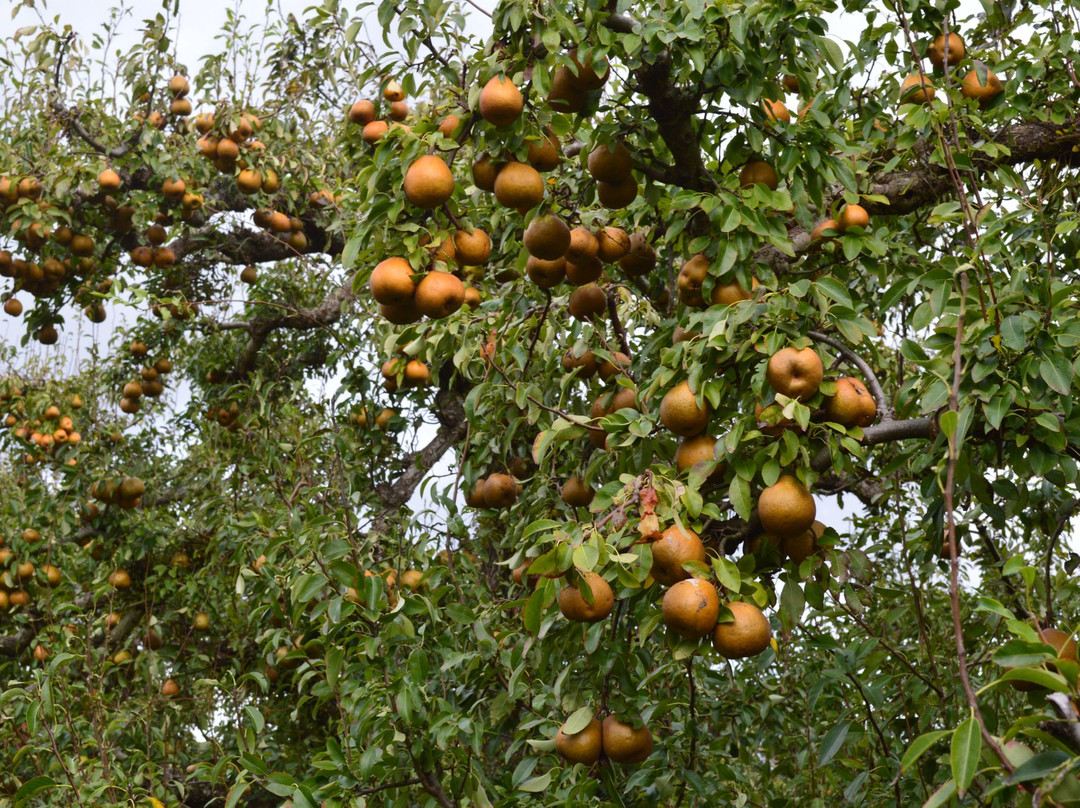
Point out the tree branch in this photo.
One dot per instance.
(325, 313)
(884, 408)
(452, 428)
(885, 432)
(70, 118)
(673, 110)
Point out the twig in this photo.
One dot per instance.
(536, 332)
(364, 791)
(950, 527)
(617, 325)
(1063, 522)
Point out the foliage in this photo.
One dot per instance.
(269, 552)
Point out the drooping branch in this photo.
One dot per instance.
(70, 119)
(884, 408)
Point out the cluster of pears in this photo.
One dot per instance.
(497, 490)
(154, 253)
(148, 384)
(404, 300)
(227, 415)
(17, 576)
(691, 604)
(359, 417)
(179, 104)
(124, 492)
(979, 84)
(45, 434)
(401, 372)
(690, 608)
(578, 256)
(797, 374)
(851, 215)
(618, 741)
(363, 114)
(60, 253)
(232, 145)
(690, 283)
(613, 398)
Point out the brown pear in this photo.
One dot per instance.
(439, 294)
(547, 237)
(501, 102)
(796, 373)
(680, 412)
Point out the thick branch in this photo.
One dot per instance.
(1068, 729)
(452, 428)
(673, 110)
(1026, 141)
(907, 191)
(325, 313)
(12, 645)
(885, 432)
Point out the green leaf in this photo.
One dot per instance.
(739, 496)
(964, 753)
(1037, 676)
(534, 610)
(306, 587)
(727, 572)
(920, 745)
(1037, 767)
(830, 745)
(948, 422)
(1013, 565)
(942, 795)
(990, 605)
(257, 720)
(1057, 373)
(334, 658)
(235, 793)
(578, 720)
(792, 603)
(536, 784)
(32, 787)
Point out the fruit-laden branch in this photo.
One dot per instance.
(884, 408)
(152, 500)
(14, 644)
(240, 245)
